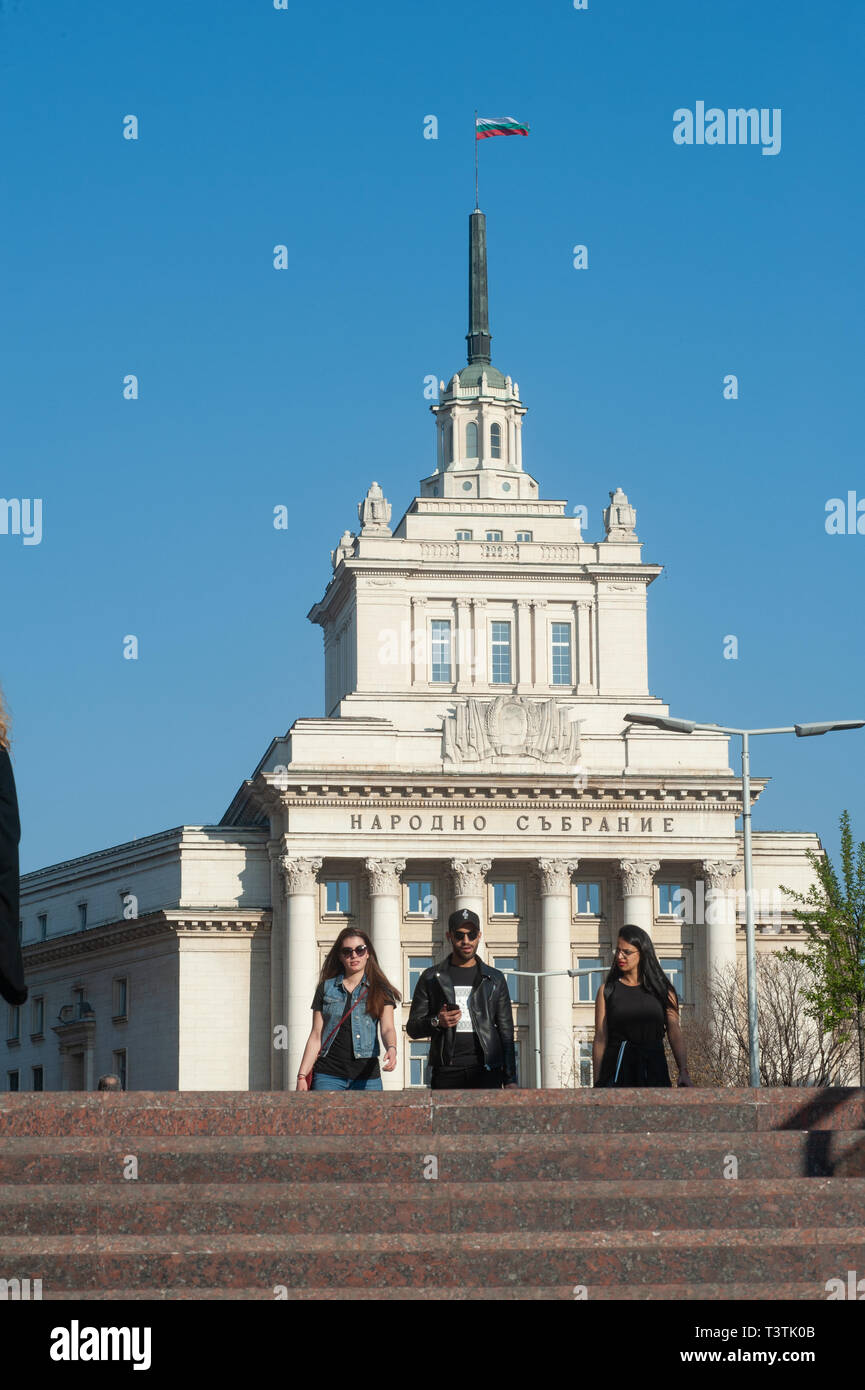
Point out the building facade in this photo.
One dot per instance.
(480, 657)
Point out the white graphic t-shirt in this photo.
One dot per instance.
(467, 1049)
(462, 993)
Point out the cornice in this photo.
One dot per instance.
(170, 922)
(643, 797)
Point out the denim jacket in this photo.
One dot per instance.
(364, 1029)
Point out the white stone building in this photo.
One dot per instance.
(480, 657)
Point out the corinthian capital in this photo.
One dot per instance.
(719, 873)
(384, 875)
(554, 876)
(469, 876)
(636, 876)
(298, 875)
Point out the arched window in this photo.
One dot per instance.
(471, 440)
(449, 442)
(495, 441)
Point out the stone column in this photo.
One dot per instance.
(584, 646)
(463, 656)
(557, 993)
(468, 885)
(279, 1080)
(480, 656)
(638, 892)
(523, 645)
(300, 955)
(384, 890)
(539, 638)
(418, 660)
(720, 912)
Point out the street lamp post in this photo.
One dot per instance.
(690, 726)
(537, 976)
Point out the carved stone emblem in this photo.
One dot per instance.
(511, 726)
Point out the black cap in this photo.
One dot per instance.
(463, 917)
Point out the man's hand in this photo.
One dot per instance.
(449, 1017)
(684, 1078)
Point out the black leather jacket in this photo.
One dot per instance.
(490, 1009)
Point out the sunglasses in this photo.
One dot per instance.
(352, 951)
(466, 934)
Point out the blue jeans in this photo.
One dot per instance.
(341, 1083)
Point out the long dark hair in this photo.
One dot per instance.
(4, 723)
(649, 972)
(381, 991)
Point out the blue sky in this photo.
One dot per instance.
(305, 127)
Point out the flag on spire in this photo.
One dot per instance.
(485, 126)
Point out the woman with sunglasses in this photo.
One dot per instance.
(635, 1006)
(353, 1001)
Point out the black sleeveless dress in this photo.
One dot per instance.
(634, 1054)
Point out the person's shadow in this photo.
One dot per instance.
(831, 1153)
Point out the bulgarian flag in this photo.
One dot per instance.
(508, 125)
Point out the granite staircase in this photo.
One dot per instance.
(652, 1194)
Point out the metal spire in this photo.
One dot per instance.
(478, 336)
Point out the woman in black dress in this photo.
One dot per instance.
(12, 986)
(634, 1007)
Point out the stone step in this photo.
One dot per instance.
(354, 1208)
(676, 1260)
(714, 1293)
(488, 1158)
(427, 1113)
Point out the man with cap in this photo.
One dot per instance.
(463, 1005)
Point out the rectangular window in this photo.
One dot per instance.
(37, 1015)
(464, 535)
(515, 982)
(589, 899)
(585, 1061)
(505, 897)
(441, 649)
(674, 969)
(38, 1079)
(588, 985)
(119, 1058)
(418, 1064)
(524, 535)
(338, 895)
(671, 900)
(420, 898)
(561, 654)
(42, 919)
(12, 1081)
(494, 535)
(416, 966)
(13, 1023)
(120, 997)
(501, 654)
(82, 916)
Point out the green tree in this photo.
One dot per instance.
(832, 913)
